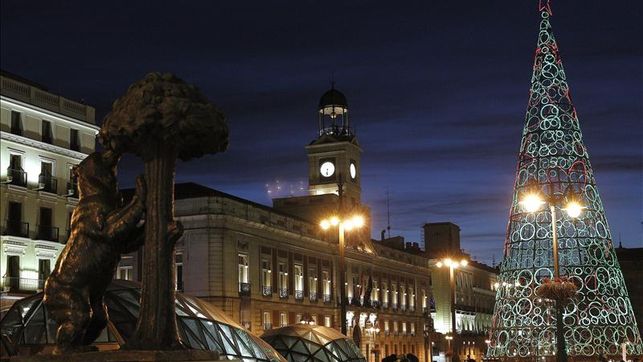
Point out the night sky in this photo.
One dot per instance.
(437, 91)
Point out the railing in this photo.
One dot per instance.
(384, 305)
(47, 183)
(244, 289)
(47, 232)
(394, 306)
(17, 284)
(283, 293)
(299, 294)
(387, 333)
(267, 326)
(403, 307)
(266, 290)
(36, 96)
(411, 309)
(16, 176)
(327, 298)
(72, 189)
(375, 303)
(16, 228)
(312, 296)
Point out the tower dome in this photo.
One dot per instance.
(333, 113)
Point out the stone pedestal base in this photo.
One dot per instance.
(126, 356)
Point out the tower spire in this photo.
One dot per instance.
(544, 6)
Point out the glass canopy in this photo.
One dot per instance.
(312, 343)
(201, 326)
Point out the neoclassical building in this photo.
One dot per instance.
(43, 135)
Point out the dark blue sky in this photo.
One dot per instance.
(436, 90)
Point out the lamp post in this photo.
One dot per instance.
(532, 202)
(343, 225)
(452, 265)
(449, 337)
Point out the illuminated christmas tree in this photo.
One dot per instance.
(555, 181)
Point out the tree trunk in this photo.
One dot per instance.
(156, 328)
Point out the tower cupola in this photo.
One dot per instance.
(333, 114)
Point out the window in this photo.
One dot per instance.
(243, 270)
(395, 330)
(313, 319)
(385, 295)
(312, 284)
(326, 285)
(403, 327)
(45, 229)
(424, 299)
(375, 292)
(403, 296)
(125, 272)
(394, 294)
(74, 140)
(12, 274)
(411, 298)
(46, 135)
(267, 320)
(16, 123)
(386, 326)
(298, 318)
(283, 281)
(283, 319)
(328, 321)
(179, 271)
(299, 281)
(46, 181)
(44, 269)
(266, 277)
(15, 174)
(15, 226)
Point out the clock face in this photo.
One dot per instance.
(353, 170)
(327, 169)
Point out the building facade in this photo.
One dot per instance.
(475, 290)
(43, 136)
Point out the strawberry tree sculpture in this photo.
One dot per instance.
(161, 118)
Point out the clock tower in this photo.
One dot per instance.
(334, 156)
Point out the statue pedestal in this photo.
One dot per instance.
(126, 356)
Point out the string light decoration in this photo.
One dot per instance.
(553, 160)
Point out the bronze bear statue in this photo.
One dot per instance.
(101, 230)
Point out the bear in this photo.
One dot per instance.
(101, 230)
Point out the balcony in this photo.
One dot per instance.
(266, 290)
(72, 189)
(47, 183)
(16, 176)
(47, 232)
(16, 228)
(403, 307)
(244, 289)
(283, 293)
(327, 298)
(17, 284)
(312, 296)
(299, 294)
(385, 305)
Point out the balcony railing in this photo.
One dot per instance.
(244, 289)
(266, 290)
(385, 305)
(327, 298)
(16, 228)
(47, 232)
(72, 189)
(47, 183)
(283, 293)
(312, 296)
(16, 176)
(17, 284)
(299, 294)
(375, 303)
(403, 307)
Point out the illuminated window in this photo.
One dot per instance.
(267, 320)
(125, 272)
(283, 319)
(299, 281)
(243, 269)
(328, 321)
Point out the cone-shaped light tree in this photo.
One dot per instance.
(551, 234)
(159, 119)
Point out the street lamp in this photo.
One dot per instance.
(532, 202)
(343, 225)
(452, 264)
(449, 337)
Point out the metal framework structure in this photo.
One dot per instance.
(312, 343)
(553, 160)
(27, 325)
